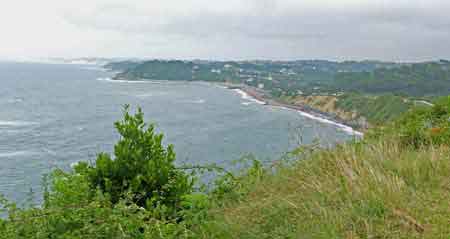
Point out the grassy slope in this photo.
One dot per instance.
(377, 190)
(377, 110)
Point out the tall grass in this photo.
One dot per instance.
(359, 190)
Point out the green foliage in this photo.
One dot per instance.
(424, 125)
(142, 169)
(368, 189)
(231, 186)
(418, 79)
(138, 194)
(71, 211)
(376, 109)
(159, 70)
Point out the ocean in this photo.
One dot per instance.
(52, 116)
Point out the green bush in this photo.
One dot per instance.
(422, 126)
(142, 169)
(138, 194)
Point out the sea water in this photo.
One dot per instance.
(52, 116)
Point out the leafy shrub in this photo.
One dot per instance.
(142, 169)
(422, 126)
(138, 194)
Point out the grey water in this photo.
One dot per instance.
(56, 115)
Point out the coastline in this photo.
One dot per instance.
(260, 97)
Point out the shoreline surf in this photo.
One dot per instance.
(249, 96)
(252, 97)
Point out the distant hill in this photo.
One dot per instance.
(419, 79)
(307, 76)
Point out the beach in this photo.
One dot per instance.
(261, 97)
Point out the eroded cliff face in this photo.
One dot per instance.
(327, 104)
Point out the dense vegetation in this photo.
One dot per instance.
(377, 109)
(290, 77)
(419, 79)
(278, 78)
(395, 183)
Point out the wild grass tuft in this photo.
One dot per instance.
(359, 190)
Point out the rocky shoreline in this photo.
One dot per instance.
(262, 96)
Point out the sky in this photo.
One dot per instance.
(395, 30)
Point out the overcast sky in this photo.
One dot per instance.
(401, 30)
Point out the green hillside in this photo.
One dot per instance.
(377, 109)
(421, 79)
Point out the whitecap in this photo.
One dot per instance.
(343, 127)
(347, 129)
(15, 100)
(13, 154)
(49, 151)
(108, 79)
(94, 68)
(16, 123)
(246, 96)
(200, 101)
(145, 95)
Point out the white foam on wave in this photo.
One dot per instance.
(15, 123)
(94, 68)
(147, 95)
(108, 79)
(347, 129)
(49, 151)
(15, 100)
(13, 154)
(245, 96)
(144, 95)
(200, 101)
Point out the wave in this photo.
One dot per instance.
(246, 96)
(15, 100)
(108, 79)
(94, 68)
(144, 95)
(49, 151)
(200, 101)
(14, 154)
(345, 128)
(16, 123)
